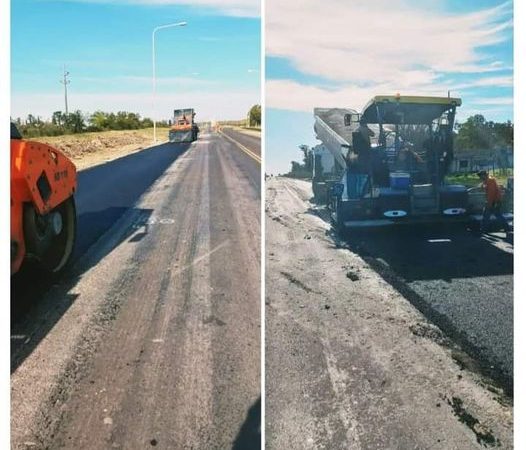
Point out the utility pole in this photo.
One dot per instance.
(65, 82)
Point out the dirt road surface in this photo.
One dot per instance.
(152, 339)
(90, 149)
(350, 362)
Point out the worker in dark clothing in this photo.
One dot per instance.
(357, 175)
(407, 158)
(366, 132)
(493, 202)
(380, 167)
(444, 143)
(359, 156)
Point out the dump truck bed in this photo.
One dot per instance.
(329, 128)
(334, 119)
(333, 133)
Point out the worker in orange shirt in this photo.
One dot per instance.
(493, 202)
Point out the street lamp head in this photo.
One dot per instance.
(170, 25)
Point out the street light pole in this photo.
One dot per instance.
(178, 24)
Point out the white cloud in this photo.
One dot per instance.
(294, 96)
(505, 81)
(208, 105)
(291, 95)
(494, 101)
(366, 48)
(241, 8)
(362, 39)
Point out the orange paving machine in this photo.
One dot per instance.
(184, 128)
(43, 216)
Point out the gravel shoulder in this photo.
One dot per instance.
(350, 363)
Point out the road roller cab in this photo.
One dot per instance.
(43, 217)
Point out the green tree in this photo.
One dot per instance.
(474, 133)
(32, 120)
(146, 123)
(99, 121)
(504, 133)
(254, 116)
(75, 122)
(307, 157)
(58, 118)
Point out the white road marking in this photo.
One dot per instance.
(202, 257)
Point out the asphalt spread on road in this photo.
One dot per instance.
(349, 361)
(153, 337)
(461, 281)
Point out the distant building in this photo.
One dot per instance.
(466, 161)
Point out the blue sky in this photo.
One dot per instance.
(346, 52)
(212, 64)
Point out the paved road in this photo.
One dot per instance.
(153, 338)
(350, 363)
(248, 139)
(460, 281)
(104, 194)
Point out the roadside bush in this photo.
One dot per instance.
(77, 122)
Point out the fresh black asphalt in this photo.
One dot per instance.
(461, 281)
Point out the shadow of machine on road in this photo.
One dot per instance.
(249, 436)
(403, 256)
(433, 252)
(406, 254)
(38, 302)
